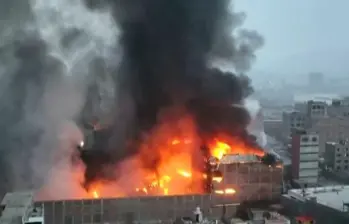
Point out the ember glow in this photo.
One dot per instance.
(226, 191)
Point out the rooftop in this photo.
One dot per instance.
(331, 196)
(238, 158)
(15, 206)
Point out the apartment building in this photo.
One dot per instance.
(339, 108)
(293, 120)
(305, 156)
(316, 109)
(330, 129)
(337, 155)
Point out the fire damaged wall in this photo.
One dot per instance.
(254, 181)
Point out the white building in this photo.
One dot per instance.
(305, 157)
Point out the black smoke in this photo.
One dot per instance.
(169, 52)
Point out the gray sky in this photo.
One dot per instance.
(301, 35)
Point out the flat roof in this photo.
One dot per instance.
(16, 205)
(238, 158)
(330, 196)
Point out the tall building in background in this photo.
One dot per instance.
(316, 109)
(337, 155)
(305, 157)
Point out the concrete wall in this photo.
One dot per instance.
(322, 214)
(252, 181)
(165, 208)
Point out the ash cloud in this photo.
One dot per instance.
(171, 50)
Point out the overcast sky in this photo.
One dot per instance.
(301, 35)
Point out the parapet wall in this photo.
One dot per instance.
(165, 208)
(252, 182)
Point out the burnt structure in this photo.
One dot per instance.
(250, 177)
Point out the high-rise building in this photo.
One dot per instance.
(305, 157)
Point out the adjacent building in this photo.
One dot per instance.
(327, 205)
(293, 120)
(305, 157)
(316, 109)
(339, 108)
(18, 208)
(330, 129)
(337, 155)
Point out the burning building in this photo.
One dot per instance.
(248, 178)
(175, 109)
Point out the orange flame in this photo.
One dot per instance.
(220, 148)
(184, 173)
(226, 191)
(171, 151)
(95, 194)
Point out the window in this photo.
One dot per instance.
(68, 219)
(346, 167)
(338, 161)
(339, 155)
(346, 161)
(338, 149)
(338, 168)
(314, 139)
(305, 139)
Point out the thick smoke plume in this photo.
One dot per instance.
(168, 70)
(45, 51)
(61, 66)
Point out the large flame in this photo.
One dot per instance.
(219, 148)
(166, 164)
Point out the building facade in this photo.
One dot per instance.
(330, 129)
(337, 155)
(339, 108)
(251, 179)
(293, 120)
(305, 157)
(327, 205)
(316, 109)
